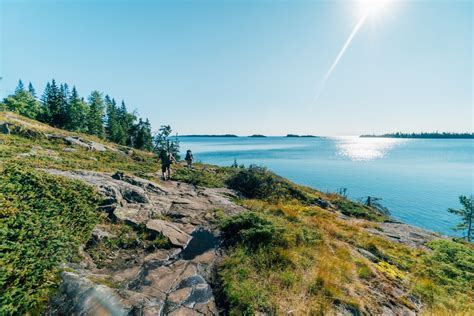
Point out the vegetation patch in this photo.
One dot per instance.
(43, 220)
(123, 244)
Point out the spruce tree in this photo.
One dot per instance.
(77, 113)
(52, 103)
(96, 115)
(45, 114)
(126, 121)
(112, 125)
(31, 90)
(20, 87)
(23, 102)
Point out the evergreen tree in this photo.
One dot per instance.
(63, 97)
(52, 104)
(31, 90)
(77, 113)
(45, 115)
(20, 87)
(164, 144)
(466, 214)
(23, 102)
(142, 137)
(126, 121)
(96, 115)
(113, 128)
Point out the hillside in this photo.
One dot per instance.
(88, 227)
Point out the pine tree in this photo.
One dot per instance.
(20, 87)
(466, 214)
(164, 144)
(126, 121)
(77, 113)
(23, 102)
(63, 98)
(31, 90)
(52, 104)
(45, 115)
(142, 137)
(113, 127)
(95, 118)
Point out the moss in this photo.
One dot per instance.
(43, 220)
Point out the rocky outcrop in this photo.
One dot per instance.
(405, 234)
(174, 281)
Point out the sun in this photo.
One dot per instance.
(373, 8)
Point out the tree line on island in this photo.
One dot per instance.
(424, 135)
(98, 115)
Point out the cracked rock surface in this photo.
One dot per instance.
(173, 281)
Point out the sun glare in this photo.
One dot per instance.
(373, 8)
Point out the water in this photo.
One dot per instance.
(418, 179)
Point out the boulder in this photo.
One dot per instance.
(79, 296)
(76, 142)
(175, 235)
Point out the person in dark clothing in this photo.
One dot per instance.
(167, 160)
(189, 158)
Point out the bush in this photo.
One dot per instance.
(354, 209)
(43, 220)
(258, 183)
(251, 230)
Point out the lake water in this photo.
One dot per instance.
(416, 179)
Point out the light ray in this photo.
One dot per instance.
(341, 53)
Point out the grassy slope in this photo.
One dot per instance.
(297, 256)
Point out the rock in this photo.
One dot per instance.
(175, 235)
(180, 295)
(134, 194)
(97, 146)
(76, 142)
(131, 215)
(80, 296)
(406, 234)
(70, 149)
(322, 203)
(20, 130)
(368, 255)
(4, 128)
(99, 233)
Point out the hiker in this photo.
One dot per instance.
(189, 158)
(167, 159)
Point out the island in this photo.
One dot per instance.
(435, 135)
(210, 135)
(257, 135)
(296, 135)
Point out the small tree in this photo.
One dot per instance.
(163, 142)
(23, 102)
(466, 214)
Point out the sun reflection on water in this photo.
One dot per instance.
(364, 148)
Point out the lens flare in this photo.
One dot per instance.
(367, 9)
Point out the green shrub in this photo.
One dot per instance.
(250, 229)
(358, 210)
(258, 183)
(43, 220)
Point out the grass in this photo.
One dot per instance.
(291, 251)
(124, 244)
(311, 265)
(43, 220)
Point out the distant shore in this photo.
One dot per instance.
(254, 135)
(425, 135)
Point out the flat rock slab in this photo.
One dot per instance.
(175, 235)
(405, 234)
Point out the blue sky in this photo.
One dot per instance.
(249, 67)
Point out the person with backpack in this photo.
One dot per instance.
(189, 158)
(167, 159)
